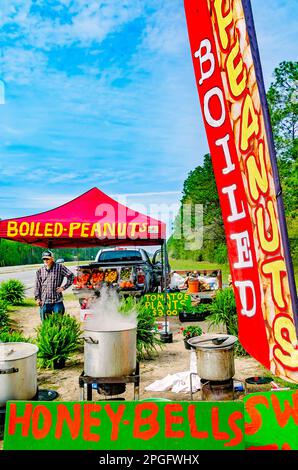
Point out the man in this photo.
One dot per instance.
(48, 285)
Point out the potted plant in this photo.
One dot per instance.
(58, 337)
(224, 313)
(148, 339)
(189, 332)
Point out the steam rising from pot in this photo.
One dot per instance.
(106, 315)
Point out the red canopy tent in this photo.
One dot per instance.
(91, 219)
(88, 220)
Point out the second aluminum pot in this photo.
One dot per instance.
(18, 374)
(110, 353)
(214, 362)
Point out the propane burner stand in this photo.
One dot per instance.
(86, 382)
(217, 390)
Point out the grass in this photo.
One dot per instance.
(185, 264)
(28, 302)
(281, 382)
(69, 296)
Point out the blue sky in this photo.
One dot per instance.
(102, 93)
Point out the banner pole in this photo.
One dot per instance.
(272, 153)
(166, 336)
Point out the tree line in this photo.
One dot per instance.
(200, 187)
(14, 253)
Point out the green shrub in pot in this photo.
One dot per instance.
(5, 320)
(9, 336)
(12, 291)
(9, 332)
(224, 312)
(58, 337)
(148, 338)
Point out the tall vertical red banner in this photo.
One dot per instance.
(236, 119)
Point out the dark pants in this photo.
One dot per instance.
(47, 309)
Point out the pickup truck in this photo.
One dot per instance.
(128, 270)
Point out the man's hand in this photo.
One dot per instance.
(59, 290)
(38, 302)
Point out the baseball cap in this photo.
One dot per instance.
(47, 254)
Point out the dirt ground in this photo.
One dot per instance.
(172, 358)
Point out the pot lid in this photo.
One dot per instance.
(115, 329)
(258, 380)
(213, 341)
(14, 351)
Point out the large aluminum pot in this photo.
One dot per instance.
(214, 361)
(110, 353)
(18, 376)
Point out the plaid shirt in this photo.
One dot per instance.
(48, 280)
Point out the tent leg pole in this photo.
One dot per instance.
(166, 336)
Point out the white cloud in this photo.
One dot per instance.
(276, 26)
(155, 193)
(38, 201)
(21, 65)
(84, 130)
(82, 23)
(46, 202)
(14, 11)
(13, 171)
(165, 31)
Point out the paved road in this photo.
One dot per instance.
(26, 274)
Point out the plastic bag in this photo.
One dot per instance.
(176, 281)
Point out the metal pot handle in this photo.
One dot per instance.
(90, 340)
(204, 385)
(13, 370)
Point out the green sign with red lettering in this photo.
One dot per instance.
(176, 302)
(264, 420)
(118, 425)
(271, 420)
